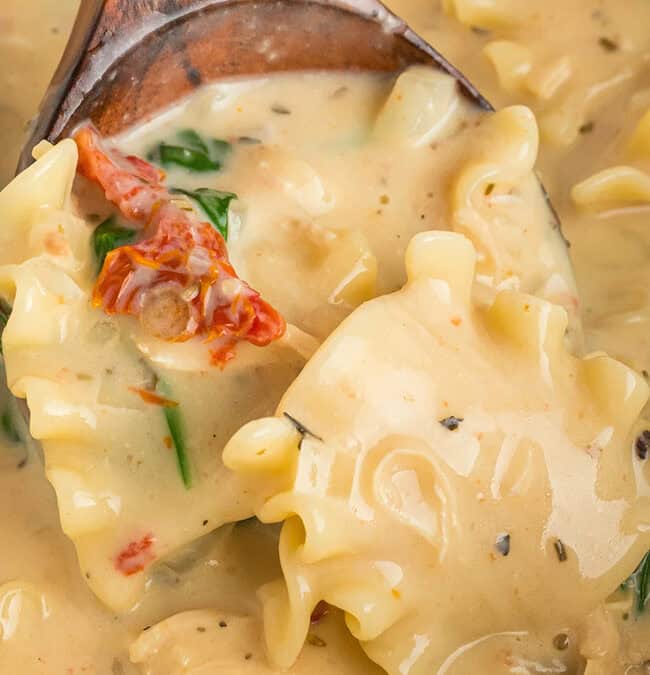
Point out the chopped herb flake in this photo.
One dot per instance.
(9, 427)
(608, 44)
(301, 428)
(190, 150)
(5, 312)
(316, 641)
(280, 109)
(248, 140)
(214, 203)
(452, 423)
(108, 236)
(174, 419)
(639, 582)
(503, 544)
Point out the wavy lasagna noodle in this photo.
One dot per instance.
(444, 454)
(435, 462)
(87, 379)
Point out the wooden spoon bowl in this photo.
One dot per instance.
(128, 59)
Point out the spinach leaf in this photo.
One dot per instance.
(107, 236)
(190, 150)
(5, 311)
(215, 203)
(9, 427)
(174, 419)
(639, 582)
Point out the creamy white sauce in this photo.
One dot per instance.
(573, 81)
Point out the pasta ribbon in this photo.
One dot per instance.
(90, 382)
(512, 62)
(483, 13)
(421, 108)
(429, 438)
(639, 143)
(615, 186)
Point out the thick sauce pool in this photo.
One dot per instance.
(583, 69)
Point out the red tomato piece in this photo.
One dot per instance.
(135, 556)
(178, 278)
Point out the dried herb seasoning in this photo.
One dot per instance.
(452, 422)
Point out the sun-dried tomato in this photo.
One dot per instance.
(134, 557)
(178, 276)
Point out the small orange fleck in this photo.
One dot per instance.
(55, 244)
(395, 593)
(526, 307)
(149, 396)
(456, 320)
(259, 453)
(168, 442)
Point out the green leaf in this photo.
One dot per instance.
(190, 150)
(5, 312)
(639, 582)
(215, 203)
(174, 419)
(108, 236)
(191, 139)
(9, 427)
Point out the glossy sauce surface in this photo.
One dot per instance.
(589, 98)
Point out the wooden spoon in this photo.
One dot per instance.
(128, 59)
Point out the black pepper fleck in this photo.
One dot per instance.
(223, 624)
(200, 629)
(452, 423)
(248, 656)
(560, 550)
(280, 109)
(586, 128)
(642, 445)
(502, 544)
(205, 522)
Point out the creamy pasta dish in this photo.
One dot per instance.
(304, 374)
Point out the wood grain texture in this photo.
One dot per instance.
(128, 59)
